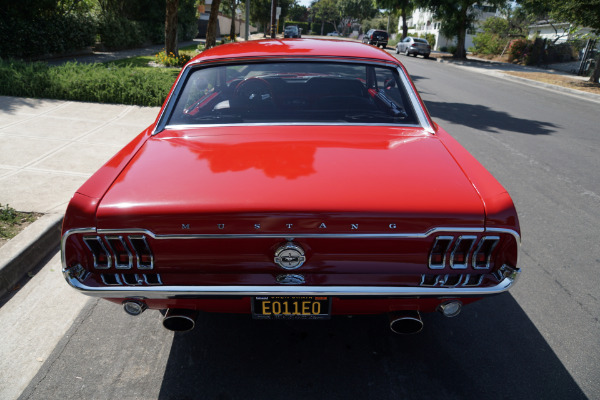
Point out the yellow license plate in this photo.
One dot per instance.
(291, 307)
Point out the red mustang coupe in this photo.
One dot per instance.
(292, 179)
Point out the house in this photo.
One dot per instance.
(421, 22)
(557, 32)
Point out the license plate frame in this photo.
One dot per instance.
(291, 307)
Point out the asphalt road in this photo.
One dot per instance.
(540, 341)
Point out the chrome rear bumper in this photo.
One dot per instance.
(73, 275)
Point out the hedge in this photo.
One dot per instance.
(86, 82)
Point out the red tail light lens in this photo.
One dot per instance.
(145, 260)
(437, 256)
(483, 254)
(102, 259)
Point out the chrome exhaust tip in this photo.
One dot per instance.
(406, 322)
(134, 307)
(180, 320)
(450, 308)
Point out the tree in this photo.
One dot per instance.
(457, 17)
(171, 28)
(298, 12)
(211, 29)
(326, 11)
(584, 13)
(231, 6)
(260, 12)
(404, 7)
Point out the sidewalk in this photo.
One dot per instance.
(49, 149)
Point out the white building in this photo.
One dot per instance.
(421, 22)
(557, 32)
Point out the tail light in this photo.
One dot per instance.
(461, 253)
(437, 257)
(483, 254)
(145, 259)
(115, 251)
(102, 258)
(123, 257)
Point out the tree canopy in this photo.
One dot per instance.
(457, 17)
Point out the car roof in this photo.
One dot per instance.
(275, 48)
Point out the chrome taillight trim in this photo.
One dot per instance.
(482, 242)
(462, 239)
(141, 265)
(109, 240)
(444, 280)
(463, 280)
(98, 240)
(439, 239)
(105, 280)
(477, 279)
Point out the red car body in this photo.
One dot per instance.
(291, 218)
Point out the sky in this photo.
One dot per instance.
(305, 3)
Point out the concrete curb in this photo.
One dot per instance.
(579, 93)
(25, 251)
(531, 82)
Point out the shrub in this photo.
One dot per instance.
(305, 26)
(488, 43)
(86, 82)
(171, 60)
(430, 37)
(117, 32)
(316, 28)
(517, 49)
(39, 36)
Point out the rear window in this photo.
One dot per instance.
(293, 92)
(421, 41)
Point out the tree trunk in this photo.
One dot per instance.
(460, 52)
(211, 29)
(322, 27)
(595, 78)
(171, 28)
(232, 28)
(404, 26)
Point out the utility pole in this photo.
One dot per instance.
(247, 33)
(273, 17)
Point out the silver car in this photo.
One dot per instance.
(411, 45)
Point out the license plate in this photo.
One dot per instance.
(291, 307)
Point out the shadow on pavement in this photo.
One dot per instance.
(491, 351)
(480, 117)
(9, 104)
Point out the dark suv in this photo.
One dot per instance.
(292, 31)
(376, 37)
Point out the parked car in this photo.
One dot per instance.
(413, 46)
(376, 37)
(333, 34)
(292, 31)
(292, 179)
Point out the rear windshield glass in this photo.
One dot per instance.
(420, 40)
(293, 92)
